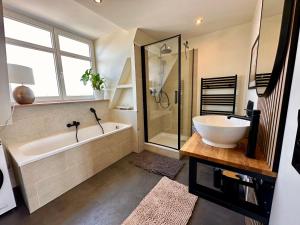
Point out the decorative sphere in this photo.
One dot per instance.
(23, 95)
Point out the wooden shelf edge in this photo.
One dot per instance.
(124, 86)
(59, 102)
(194, 147)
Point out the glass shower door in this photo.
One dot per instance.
(161, 64)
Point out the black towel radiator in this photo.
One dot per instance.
(219, 99)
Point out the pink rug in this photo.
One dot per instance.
(168, 203)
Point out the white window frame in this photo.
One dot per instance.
(57, 53)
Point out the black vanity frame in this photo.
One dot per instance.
(264, 187)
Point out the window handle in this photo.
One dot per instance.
(298, 132)
(296, 155)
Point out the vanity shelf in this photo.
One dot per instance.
(124, 93)
(236, 161)
(125, 86)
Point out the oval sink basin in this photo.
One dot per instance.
(219, 131)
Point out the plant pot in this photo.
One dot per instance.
(107, 94)
(99, 95)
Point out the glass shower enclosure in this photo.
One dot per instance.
(163, 93)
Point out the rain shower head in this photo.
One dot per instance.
(164, 49)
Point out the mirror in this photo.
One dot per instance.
(272, 43)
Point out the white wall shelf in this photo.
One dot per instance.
(125, 86)
(123, 93)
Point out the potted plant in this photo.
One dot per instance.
(97, 82)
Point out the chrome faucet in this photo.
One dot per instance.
(75, 124)
(253, 116)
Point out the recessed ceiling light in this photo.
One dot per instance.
(199, 21)
(98, 1)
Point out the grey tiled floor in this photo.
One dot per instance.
(110, 196)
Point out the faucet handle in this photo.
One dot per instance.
(250, 108)
(249, 111)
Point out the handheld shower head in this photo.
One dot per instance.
(186, 48)
(95, 113)
(186, 45)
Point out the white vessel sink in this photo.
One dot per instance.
(219, 131)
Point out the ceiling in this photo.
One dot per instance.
(159, 18)
(163, 18)
(66, 14)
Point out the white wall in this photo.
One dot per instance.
(141, 38)
(268, 43)
(4, 90)
(285, 208)
(111, 53)
(251, 94)
(224, 53)
(228, 52)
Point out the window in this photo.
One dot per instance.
(23, 32)
(76, 47)
(42, 64)
(58, 59)
(73, 68)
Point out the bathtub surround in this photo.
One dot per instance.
(63, 163)
(38, 121)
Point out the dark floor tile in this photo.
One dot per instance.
(111, 195)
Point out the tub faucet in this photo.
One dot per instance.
(253, 116)
(97, 118)
(75, 124)
(249, 111)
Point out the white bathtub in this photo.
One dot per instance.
(38, 149)
(48, 167)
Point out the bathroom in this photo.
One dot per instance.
(103, 109)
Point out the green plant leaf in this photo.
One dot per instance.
(97, 82)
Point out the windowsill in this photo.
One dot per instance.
(58, 102)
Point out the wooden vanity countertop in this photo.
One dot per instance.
(234, 157)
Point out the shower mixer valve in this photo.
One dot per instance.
(153, 91)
